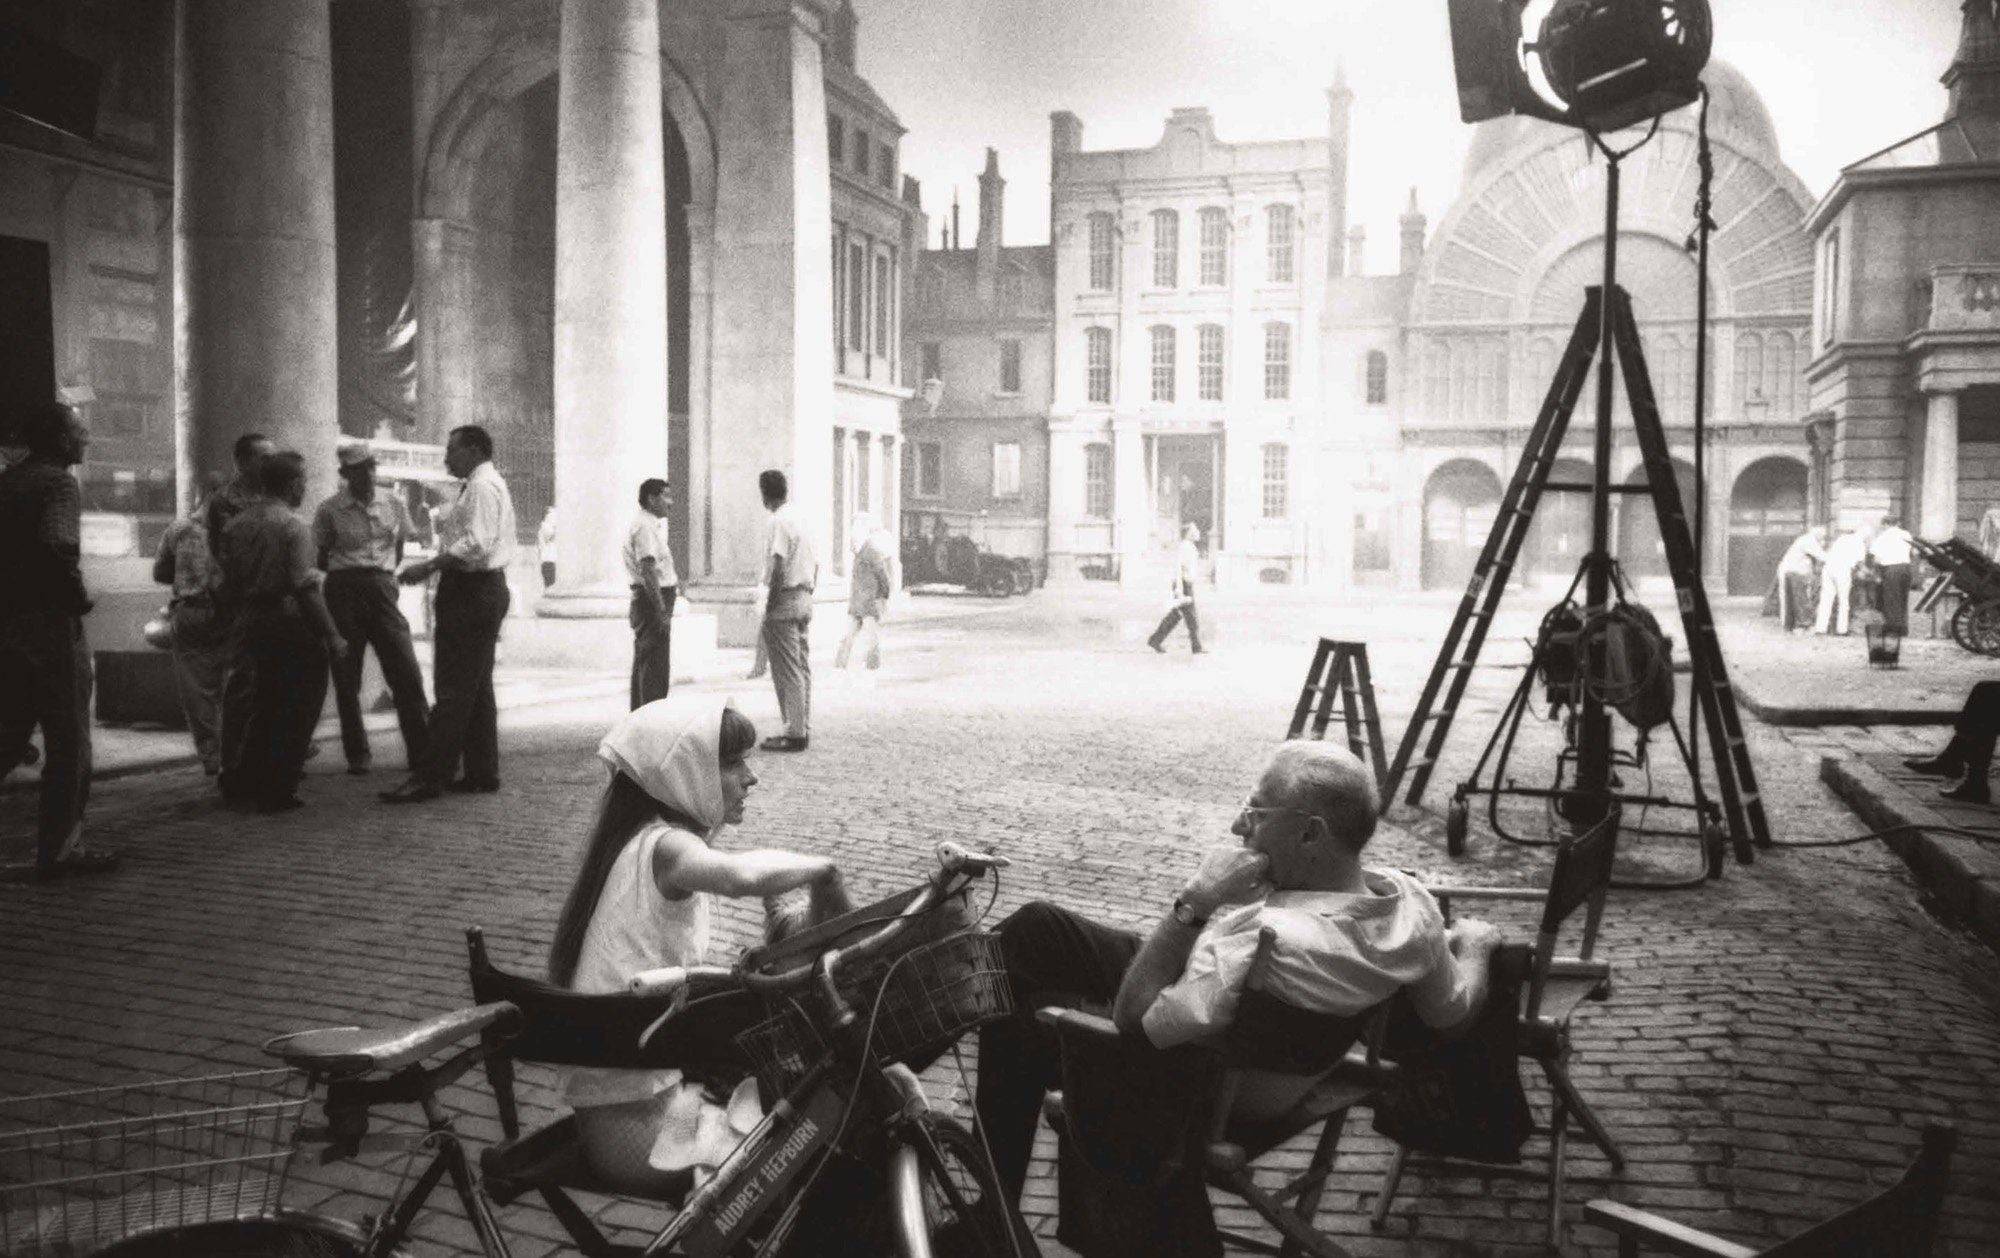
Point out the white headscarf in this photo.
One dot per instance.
(672, 748)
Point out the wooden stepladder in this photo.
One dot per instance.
(1340, 672)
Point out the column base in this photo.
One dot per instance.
(600, 603)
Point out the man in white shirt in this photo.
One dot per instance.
(1836, 581)
(476, 540)
(1892, 550)
(655, 585)
(791, 571)
(1348, 938)
(1187, 570)
(1798, 579)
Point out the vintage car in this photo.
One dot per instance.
(933, 555)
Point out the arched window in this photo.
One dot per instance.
(1163, 363)
(1437, 381)
(1378, 377)
(1464, 382)
(1208, 363)
(1541, 373)
(1749, 369)
(1277, 361)
(1780, 375)
(1493, 382)
(1214, 246)
(1097, 364)
(1280, 244)
(1101, 235)
(1166, 249)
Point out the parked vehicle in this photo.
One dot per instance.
(933, 555)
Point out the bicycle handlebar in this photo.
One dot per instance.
(954, 861)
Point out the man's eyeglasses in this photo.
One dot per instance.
(1256, 814)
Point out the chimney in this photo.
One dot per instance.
(956, 239)
(1974, 77)
(1357, 241)
(913, 196)
(992, 192)
(1339, 128)
(1065, 133)
(840, 33)
(1414, 225)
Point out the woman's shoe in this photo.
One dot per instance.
(1934, 766)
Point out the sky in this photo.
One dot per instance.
(1841, 78)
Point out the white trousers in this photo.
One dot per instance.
(1836, 590)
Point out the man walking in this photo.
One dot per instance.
(476, 542)
(186, 564)
(1187, 570)
(359, 533)
(286, 633)
(237, 682)
(791, 572)
(655, 585)
(44, 659)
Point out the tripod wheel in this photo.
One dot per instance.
(1457, 820)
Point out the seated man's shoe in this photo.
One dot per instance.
(1934, 766)
(412, 791)
(1973, 790)
(784, 742)
(471, 786)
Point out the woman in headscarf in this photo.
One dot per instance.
(679, 774)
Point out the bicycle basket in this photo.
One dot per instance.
(936, 993)
(85, 1169)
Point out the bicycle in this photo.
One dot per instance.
(828, 1065)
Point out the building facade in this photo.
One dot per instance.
(1190, 279)
(1446, 367)
(1905, 374)
(977, 436)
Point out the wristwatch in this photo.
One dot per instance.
(1185, 915)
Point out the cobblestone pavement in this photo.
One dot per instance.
(1774, 1040)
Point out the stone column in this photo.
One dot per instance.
(1131, 504)
(253, 240)
(611, 293)
(771, 362)
(1939, 516)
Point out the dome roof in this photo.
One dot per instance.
(1735, 110)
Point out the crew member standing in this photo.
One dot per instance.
(1187, 570)
(1798, 579)
(655, 585)
(1891, 550)
(475, 544)
(360, 532)
(791, 570)
(285, 632)
(201, 648)
(1836, 582)
(223, 506)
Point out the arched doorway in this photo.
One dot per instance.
(1640, 551)
(1461, 499)
(1560, 533)
(1767, 510)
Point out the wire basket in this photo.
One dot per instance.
(936, 993)
(85, 1169)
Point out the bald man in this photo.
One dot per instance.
(1348, 938)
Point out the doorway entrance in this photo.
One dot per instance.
(1186, 478)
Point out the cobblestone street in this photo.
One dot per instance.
(1773, 1042)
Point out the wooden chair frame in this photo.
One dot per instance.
(1557, 984)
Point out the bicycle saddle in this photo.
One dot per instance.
(360, 1050)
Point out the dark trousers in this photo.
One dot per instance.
(239, 683)
(1177, 613)
(1896, 598)
(652, 646)
(45, 671)
(363, 604)
(1054, 957)
(288, 664)
(1975, 731)
(464, 725)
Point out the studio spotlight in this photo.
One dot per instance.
(1608, 64)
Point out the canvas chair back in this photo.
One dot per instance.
(1580, 879)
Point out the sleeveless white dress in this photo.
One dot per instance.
(634, 928)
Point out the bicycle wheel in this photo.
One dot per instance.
(948, 1201)
(280, 1236)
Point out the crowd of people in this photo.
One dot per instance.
(1827, 578)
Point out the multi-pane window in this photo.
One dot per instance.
(1010, 366)
(1208, 362)
(834, 136)
(1277, 361)
(1214, 246)
(1163, 364)
(1829, 277)
(1280, 244)
(1166, 249)
(933, 360)
(857, 296)
(1097, 481)
(930, 468)
(1006, 469)
(1101, 258)
(1097, 364)
(1378, 377)
(861, 453)
(885, 165)
(1277, 481)
(839, 278)
(861, 147)
(883, 289)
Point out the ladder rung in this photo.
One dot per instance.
(1584, 487)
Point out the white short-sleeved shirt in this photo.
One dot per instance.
(1334, 953)
(1891, 546)
(799, 572)
(647, 539)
